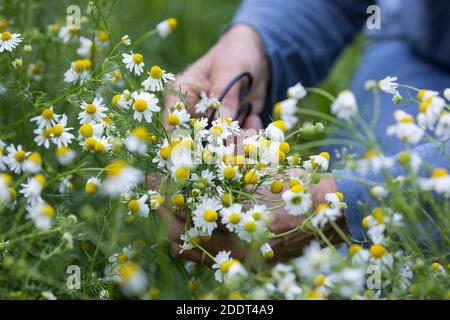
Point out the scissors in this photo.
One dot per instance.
(245, 109)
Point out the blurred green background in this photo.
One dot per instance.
(200, 24)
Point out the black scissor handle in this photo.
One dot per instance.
(244, 110)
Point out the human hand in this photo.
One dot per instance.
(285, 247)
(240, 49)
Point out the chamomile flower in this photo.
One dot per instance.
(192, 237)
(438, 182)
(16, 158)
(324, 214)
(8, 41)
(92, 129)
(3, 158)
(380, 256)
(206, 214)
(297, 92)
(42, 215)
(43, 137)
(47, 118)
(259, 213)
(157, 79)
(231, 217)
(297, 200)
(430, 109)
(48, 295)
(181, 173)
(178, 117)
(102, 145)
(134, 62)
(250, 228)
(222, 129)
(79, 71)
(144, 105)
(92, 185)
(156, 199)
(137, 140)
(125, 40)
(266, 251)
(405, 128)
(67, 33)
(379, 192)
(86, 48)
(287, 287)
(335, 200)
(286, 111)
(373, 162)
(275, 131)
(443, 126)
(205, 178)
(222, 264)
(33, 163)
(345, 106)
(165, 27)
(205, 103)
(120, 178)
(229, 172)
(60, 133)
(321, 161)
(133, 280)
(65, 155)
(92, 111)
(123, 100)
(139, 206)
(32, 189)
(389, 85)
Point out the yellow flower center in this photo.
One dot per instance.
(100, 147)
(257, 215)
(281, 156)
(234, 218)
(78, 66)
(250, 150)
(421, 94)
(178, 200)
(6, 36)
(280, 125)
(436, 266)
(164, 152)
(115, 168)
(370, 154)
(297, 188)
(103, 36)
(225, 266)
(91, 108)
(141, 133)
(227, 199)
(210, 215)
(140, 105)
(340, 196)
(173, 119)
(133, 206)
(182, 174)
(439, 173)
(425, 104)
(251, 177)
(353, 249)
(325, 155)
(156, 72)
(172, 22)
(377, 213)
(277, 109)
(7, 178)
(41, 179)
(377, 251)
(86, 130)
(137, 58)
(47, 114)
(57, 130)
(365, 222)
(122, 258)
(216, 131)
(229, 173)
(19, 156)
(62, 151)
(90, 144)
(115, 100)
(276, 187)
(48, 210)
(128, 270)
(90, 188)
(35, 157)
(321, 207)
(320, 280)
(407, 120)
(285, 147)
(250, 226)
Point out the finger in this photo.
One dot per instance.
(230, 103)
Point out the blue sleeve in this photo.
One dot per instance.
(302, 38)
(357, 194)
